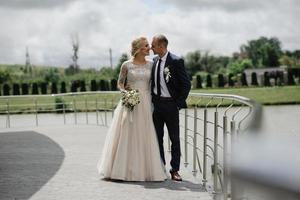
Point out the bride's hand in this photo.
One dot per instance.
(127, 87)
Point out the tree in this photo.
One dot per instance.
(193, 62)
(122, 59)
(52, 75)
(209, 63)
(263, 52)
(4, 76)
(239, 66)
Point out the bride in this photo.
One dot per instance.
(131, 151)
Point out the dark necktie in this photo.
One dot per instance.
(158, 79)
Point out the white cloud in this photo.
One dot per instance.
(216, 25)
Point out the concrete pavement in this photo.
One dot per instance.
(59, 162)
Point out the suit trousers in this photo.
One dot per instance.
(166, 112)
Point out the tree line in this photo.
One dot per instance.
(205, 69)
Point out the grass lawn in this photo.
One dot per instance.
(263, 95)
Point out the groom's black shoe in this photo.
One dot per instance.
(175, 176)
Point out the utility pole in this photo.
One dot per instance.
(27, 63)
(110, 58)
(75, 45)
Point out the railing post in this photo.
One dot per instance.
(112, 105)
(233, 137)
(64, 110)
(216, 152)
(97, 117)
(36, 113)
(225, 154)
(204, 147)
(105, 111)
(185, 137)
(195, 141)
(7, 114)
(74, 108)
(86, 110)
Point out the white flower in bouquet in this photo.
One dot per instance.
(130, 98)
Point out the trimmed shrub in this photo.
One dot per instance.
(198, 81)
(254, 79)
(290, 76)
(25, 89)
(244, 79)
(74, 86)
(63, 87)
(102, 85)
(113, 84)
(230, 80)
(93, 85)
(53, 88)
(208, 81)
(221, 80)
(82, 86)
(6, 89)
(35, 88)
(267, 79)
(44, 86)
(16, 89)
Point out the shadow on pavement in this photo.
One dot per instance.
(185, 185)
(27, 161)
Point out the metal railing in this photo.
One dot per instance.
(209, 126)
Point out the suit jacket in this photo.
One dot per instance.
(178, 84)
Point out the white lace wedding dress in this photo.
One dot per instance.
(131, 151)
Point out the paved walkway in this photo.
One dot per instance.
(59, 162)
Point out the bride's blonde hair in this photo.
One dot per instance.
(136, 45)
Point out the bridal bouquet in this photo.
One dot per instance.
(130, 98)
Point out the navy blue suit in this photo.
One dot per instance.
(166, 110)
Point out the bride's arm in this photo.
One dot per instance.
(122, 78)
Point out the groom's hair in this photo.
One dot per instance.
(161, 39)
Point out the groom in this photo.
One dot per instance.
(170, 87)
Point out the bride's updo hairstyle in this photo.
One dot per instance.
(136, 45)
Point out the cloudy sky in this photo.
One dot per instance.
(219, 26)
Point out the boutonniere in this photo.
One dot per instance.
(167, 73)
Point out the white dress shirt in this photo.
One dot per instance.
(164, 90)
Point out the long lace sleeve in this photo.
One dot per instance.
(122, 76)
